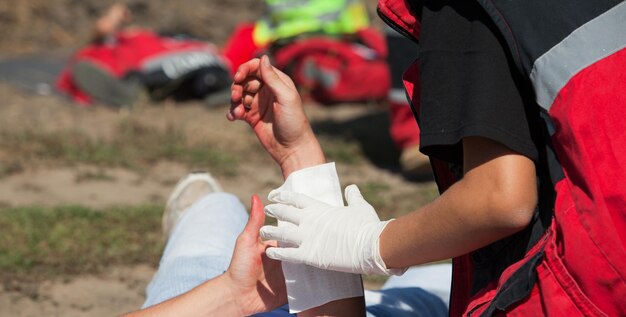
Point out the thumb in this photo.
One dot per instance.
(257, 217)
(284, 254)
(353, 196)
(271, 78)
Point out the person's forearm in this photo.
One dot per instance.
(348, 307)
(441, 230)
(308, 154)
(495, 199)
(212, 298)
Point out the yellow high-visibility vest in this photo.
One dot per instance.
(289, 18)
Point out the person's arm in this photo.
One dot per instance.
(211, 298)
(253, 283)
(267, 99)
(110, 22)
(495, 198)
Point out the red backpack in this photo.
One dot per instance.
(574, 54)
(336, 70)
(142, 51)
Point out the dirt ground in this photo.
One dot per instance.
(30, 25)
(34, 26)
(52, 182)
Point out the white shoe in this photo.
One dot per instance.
(188, 190)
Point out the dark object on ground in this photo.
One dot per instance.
(33, 73)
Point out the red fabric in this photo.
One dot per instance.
(126, 52)
(240, 46)
(583, 272)
(590, 141)
(101, 54)
(403, 130)
(373, 39)
(400, 14)
(354, 76)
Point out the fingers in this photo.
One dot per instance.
(353, 195)
(246, 84)
(241, 100)
(293, 199)
(287, 234)
(257, 217)
(236, 112)
(284, 254)
(247, 101)
(249, 86)
(284, 213)
(252, 86)
(271, 77)
(247, 69)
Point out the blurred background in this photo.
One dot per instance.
(82, 187)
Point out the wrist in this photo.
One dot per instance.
(233, 296)
(308, 154)
(377, 255)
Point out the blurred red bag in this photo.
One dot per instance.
(336, 70)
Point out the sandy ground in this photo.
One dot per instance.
(121, 289)
(114, 292)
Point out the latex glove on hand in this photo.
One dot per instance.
(342, 239)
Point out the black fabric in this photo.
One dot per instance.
(468, 85)
(532, 27)
(402, 52)
(195, 84)
(203, 82)
(517, 287)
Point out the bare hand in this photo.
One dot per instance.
(256, 281)
(269, 102)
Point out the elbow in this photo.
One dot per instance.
(513, 212)
(519, 218)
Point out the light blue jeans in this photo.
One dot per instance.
(202, 243)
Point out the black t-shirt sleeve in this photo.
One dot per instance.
(469, 86)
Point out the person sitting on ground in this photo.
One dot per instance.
(208, 270)
(120, 62)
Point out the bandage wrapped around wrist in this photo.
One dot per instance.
(308, 286)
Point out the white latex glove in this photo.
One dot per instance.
(342, 239)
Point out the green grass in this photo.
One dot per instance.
(40, 242)
(375, 193)
(341, 151)
(132, 146)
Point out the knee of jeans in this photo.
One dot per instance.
(222, 202)
(222, 198)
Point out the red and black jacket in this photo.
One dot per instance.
(573, 52)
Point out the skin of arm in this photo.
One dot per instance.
(253, 283)
(110, 22)
(268, 101)
(495, 198)
(211, 298)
